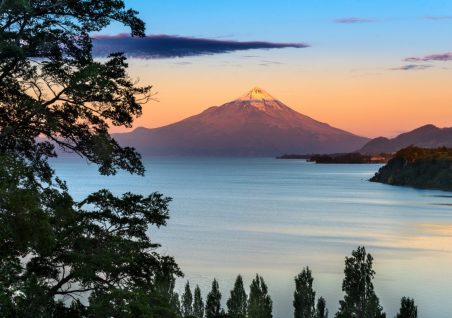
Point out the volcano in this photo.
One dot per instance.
(255, 124)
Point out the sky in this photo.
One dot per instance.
(372, 67)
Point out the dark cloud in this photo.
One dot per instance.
(442, 57)
(411, 67)
(353, 20)
(433, 17)
(169, 46)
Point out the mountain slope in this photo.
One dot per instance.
(428, 136)
(255, 124)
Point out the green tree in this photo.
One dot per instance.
(69, 237)
(175, 305)
(304, 295)
(187, 301)
(237, 302)
(321, 311)
(54, 94)
(259, 302)
(407, 308)
(50, 85)
(164, 289)
(213, 302)
(360, 300)
(198, 304)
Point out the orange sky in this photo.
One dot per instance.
(370, 102)
(366, 67)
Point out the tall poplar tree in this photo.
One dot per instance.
(259, 302)
(237, 302)
(213, 301)
(198, 304)
(360, 300)
(321, 311)
(407, 308)
(304, 295)
(187, 301)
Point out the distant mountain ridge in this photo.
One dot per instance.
(428, 136)
(255, 124)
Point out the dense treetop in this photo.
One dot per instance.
(420, 168)
(50, 85)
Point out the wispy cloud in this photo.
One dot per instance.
(183, 63)
(437, 17)
(269, 63)
(441, 57)
(354, 20)
(172, 46)
(411, 67)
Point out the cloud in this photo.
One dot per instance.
(411, 67)
(171, 46)
(442, 57)
(269, 63)
(435, 17)
(183, 63)
(354, 20)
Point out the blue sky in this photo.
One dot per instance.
(398, 28)
(284, 20)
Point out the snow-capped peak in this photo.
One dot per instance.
(257, 94)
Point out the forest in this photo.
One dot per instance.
(423, 168)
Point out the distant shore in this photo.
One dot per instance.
(347, 158)
(419, 168)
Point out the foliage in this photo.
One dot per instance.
(237, 302)
(304, 295)
(198, 304)
(321, 311)
(360, 300)
(420, 168)
(123, 303)
(53, 94)
(407, 308)
(187, 301)
(259, 302)
(213, 301)
(50, 85)
(175, 305)
(71, 249)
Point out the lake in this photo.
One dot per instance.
(273, 217)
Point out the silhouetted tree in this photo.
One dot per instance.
(259, 302)
(53, 93)
(175, 305)
(198, 304)
(360, 300)
(304, 295)
(237, 302)
(51, 86)
(321, 311)
(187, 301)
(164, 289)
(407, 308)
(213, 302)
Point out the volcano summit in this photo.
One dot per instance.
(255, 124)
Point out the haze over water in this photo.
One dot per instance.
(273, 217)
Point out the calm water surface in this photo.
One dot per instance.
(274, 217)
